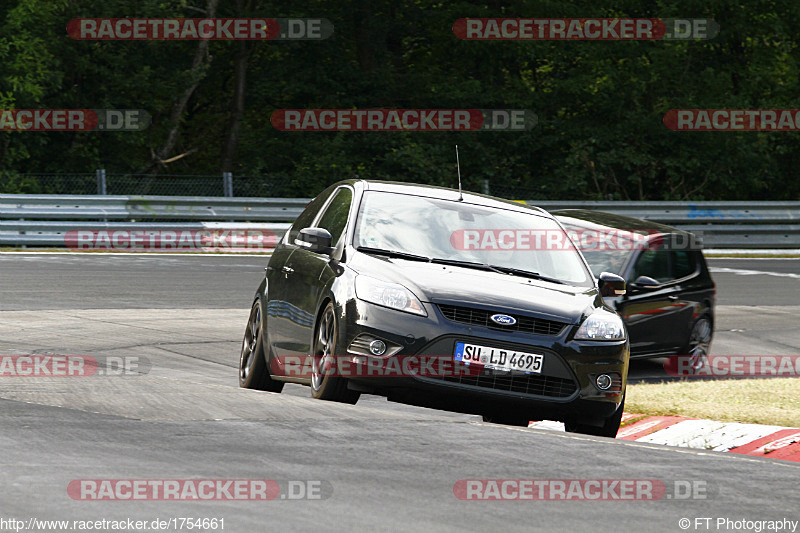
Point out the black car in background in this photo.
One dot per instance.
(669, 304)
(374, 277)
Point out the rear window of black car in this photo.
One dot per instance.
(683, 264)
(653, 264)
(664, 265)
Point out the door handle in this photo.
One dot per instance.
(673, 297)
(287, 270)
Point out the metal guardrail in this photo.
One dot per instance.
(42, 220)
(54, 233)
(85, 207)
(748, 225)
(694, 213)
(752, 236)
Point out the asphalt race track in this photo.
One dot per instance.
(381, 466)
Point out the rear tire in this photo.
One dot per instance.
(325, 385)
(609, 427)
(253, 371)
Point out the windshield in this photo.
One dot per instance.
(431, 229)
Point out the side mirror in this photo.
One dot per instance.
(611, 284)
(645, 283)
(317, 240)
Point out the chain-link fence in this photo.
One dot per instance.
(101, 182)
(82, 183)
(267, 186)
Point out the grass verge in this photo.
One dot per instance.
(773, 401)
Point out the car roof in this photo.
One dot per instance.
(590, 218)
(446, 193)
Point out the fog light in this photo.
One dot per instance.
(603, 381)
(377, 347)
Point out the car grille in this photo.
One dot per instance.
(480, 317)
(518, 382)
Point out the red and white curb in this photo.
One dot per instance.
(773, 442)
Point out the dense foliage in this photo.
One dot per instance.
(600, 104)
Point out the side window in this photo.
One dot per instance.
(306, 217)
(654, 264)
(334, 219)
(682, 264)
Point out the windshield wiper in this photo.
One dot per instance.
(467, 264)
(526, 273)
(393, 253)
(456, 262)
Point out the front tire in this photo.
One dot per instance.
(325, 385)
(699, 344)
(253, 371)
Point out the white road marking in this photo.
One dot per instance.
(717, 253)
(710, 435)
(745, 272)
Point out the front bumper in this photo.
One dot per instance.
(564, 390)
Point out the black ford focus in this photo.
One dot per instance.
(431, 297)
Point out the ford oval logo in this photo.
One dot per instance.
(503, 320)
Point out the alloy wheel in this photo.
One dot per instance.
(699, 344)
(324, 348)
(252, 336)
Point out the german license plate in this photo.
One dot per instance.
(498, 358)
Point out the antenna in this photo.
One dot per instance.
(458, 166)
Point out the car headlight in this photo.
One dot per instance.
(390, 295)
(601, 326)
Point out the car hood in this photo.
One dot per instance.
(455, 285)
